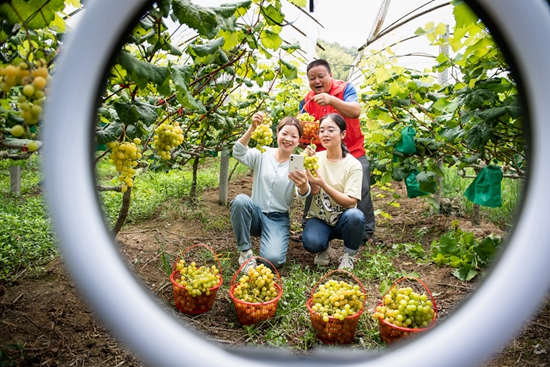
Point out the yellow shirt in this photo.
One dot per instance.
(345, 176)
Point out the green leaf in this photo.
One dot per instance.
(203, 19)
(208, 48)
(445, 105)
(465, 273)
(273, 16)
(487, 248)
(271, 40)
(35, 14)
(142, 72)
(289, 71)
(428, 181)
(109, 133)
(131, 112)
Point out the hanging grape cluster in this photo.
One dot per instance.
(258, 285)
(311, 162)
(32, 81)
(405, 308)
(197, 280)
(337, 299)
(263, 134)
(167, 137)
(124, 157)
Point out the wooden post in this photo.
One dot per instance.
(224, 177)
(15, 180)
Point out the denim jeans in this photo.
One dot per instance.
(350, 228)
(273, 228)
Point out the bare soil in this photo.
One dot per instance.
(44, 321)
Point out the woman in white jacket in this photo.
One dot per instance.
(266, 212)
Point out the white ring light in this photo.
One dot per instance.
(471, 335)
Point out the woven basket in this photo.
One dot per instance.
(310, 132)
(252, 313)
(390, 333)
(186, 302)
(335, 331)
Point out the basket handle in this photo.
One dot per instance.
(233, 280)
(195, 246)
(363, 290)
(419, 281)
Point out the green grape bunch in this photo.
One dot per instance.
(256, 286)
(197, 280)
(32, 80)
(404, 307)
(124, 157)
(337, 299)
(167, 137)
(263, 134)
(305, 117)
(310, 161)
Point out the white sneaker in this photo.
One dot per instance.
(322, 258)
(347, 261)
(243, 257)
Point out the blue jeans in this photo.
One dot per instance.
(273, 228)
(350, 228)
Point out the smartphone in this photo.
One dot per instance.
(296, 163)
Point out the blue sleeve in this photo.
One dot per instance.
(350, 94)
(300, 106)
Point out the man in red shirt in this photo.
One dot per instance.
(329, 95)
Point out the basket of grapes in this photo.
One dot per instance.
(311, 128)
(335, 305)
(257, 292)
(407, 307)
(196, 278)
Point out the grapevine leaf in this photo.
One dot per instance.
(427, 181)
(34, 13)
(109, 133)
(301, 3)
(271, 39)
(164, 7)
(131, 112)
(273, 16)
(142, 72)
(289, 71)
(203, 19)
(400, 173)
(180, 77)
(206, 49)
(487, 248)
(465, 273)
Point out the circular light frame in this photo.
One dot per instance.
(480, 326)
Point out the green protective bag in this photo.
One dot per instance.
(413, 186)
(406, 144)
(486, 188)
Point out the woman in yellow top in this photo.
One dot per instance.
(336, 190)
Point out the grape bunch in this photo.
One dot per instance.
(263, 134)
(197, 280)
(33, 79)
(166, 138)
(311, 161)
(258, 285)
(124, 157)
(337, 299)
(405, 308)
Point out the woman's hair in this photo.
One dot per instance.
(291, 121)
(341, 123)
